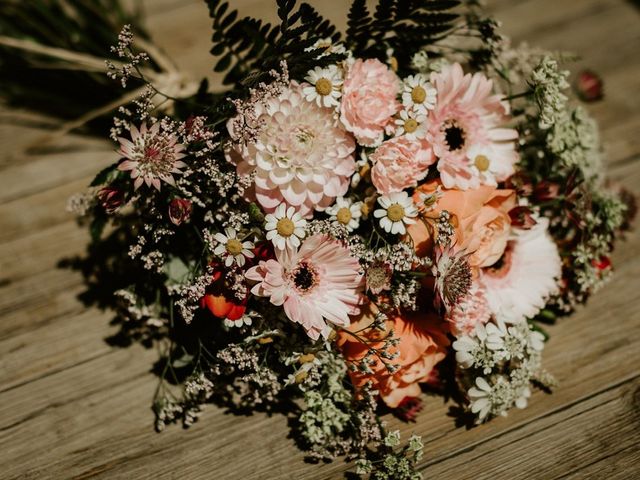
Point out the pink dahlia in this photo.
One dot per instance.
(319, 283)
(465, 129)
(400, 163)
(151, 156)
(301, 155)
(472, 309)
(369, 100)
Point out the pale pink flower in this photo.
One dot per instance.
(470, 310)
(526, 277)
(466, 130)
(369, 100)
(400, 163)
(319, 283)
(151, 156)
(302, 155)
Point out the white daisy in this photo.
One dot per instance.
(346, 212)
(232, 249)
(326, 86)
(285, 227)
(360, 164)
(243, 320)
(397, 211)
(418, 94)
(411, 124)
(328, 46)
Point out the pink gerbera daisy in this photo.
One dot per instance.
(319, 283)
(466, 130)
(151, 156)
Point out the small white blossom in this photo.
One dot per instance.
(285, 227)
(397, 211)
(418, 94)
(233, 249)
(411, 124)
(326, 86)
(346, 212)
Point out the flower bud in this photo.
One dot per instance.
(111, 199)
(179, 210)
(589, 86)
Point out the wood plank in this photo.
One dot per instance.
(595, 429)
(91, 401)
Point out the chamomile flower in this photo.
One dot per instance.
(418, 94)
(346, 212)
(411, 124)
(233, 249)
(397, 211)
(285, 227)
(326, 86)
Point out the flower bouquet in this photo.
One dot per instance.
(357, 218)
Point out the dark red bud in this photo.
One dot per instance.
(589, 86)
(179, 210)
(111, 199)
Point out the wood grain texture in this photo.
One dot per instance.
(72, 406)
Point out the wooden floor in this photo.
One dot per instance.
(71, 406)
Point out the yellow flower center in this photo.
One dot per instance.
(234, 246)
(323, 86)
(393, 63)
(344, 215)
(481, 162)
(418, 94)
(395, 212)
(410, 125)
(306, 358)
(285, 227)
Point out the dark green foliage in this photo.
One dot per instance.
(48, 85)
(402, 25)
(247, 49)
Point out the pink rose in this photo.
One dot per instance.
(369, 100)
(422, 345)
(400, 163)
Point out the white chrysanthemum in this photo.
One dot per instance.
(519, 287)
(411, 124)
(397, 211)
(418, 94)
(285, 227)
(302, 156)
(232, 249)
(326, 86)
(346, 212)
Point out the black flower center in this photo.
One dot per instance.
(304, 277)
(454, 136)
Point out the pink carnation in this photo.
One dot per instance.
(400, 163)
(369, 100)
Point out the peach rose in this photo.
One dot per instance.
(400, 163)
(422, 345)
(480, 217)
(369, 100)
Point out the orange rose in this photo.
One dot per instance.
(480, 217)
(422, 345)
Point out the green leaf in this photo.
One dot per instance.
(103, 175)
